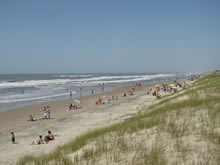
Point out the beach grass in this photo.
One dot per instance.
(181, 128)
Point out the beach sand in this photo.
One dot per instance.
(66, 125)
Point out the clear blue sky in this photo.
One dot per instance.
(47, 36)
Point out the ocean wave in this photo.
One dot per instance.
(121, 79)
(35, 98)
(33, 83)
(73, 76)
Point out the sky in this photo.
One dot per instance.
(117, 36)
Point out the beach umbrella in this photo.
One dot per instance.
(157, 85)
(178, 83)
(76, 101)
(174, 87)
(171, 85)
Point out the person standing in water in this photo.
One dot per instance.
(71, 95)
(80, 92)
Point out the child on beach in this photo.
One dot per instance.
(45, 112)
(13, 137)
(40, 141)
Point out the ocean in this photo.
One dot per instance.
(19, 90)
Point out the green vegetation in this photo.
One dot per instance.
(181, 128)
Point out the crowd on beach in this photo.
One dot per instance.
(165, 87)
(153, 91)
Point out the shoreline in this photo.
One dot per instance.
(37, 109)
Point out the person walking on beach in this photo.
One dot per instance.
(13, 137)
(92, 92)
(48, 112)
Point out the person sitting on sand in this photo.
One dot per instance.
(49, 137)
(75, 107)
(154, 93)
(31, 118)
(158, 96)
(40, 141)
(70, 107)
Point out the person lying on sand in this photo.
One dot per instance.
(49, 137)
(40, 141)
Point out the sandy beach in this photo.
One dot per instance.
(66, 125)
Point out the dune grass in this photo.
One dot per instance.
(180, 128)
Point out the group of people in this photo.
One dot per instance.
(106, 100)
(166, 88)
(44, 140)
(46, 112)
(72, 107)
(99, 101)
(41, 140)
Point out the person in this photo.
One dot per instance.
(40, 141)
(80, 91)
(154, 93)
(133, 89)
(48, 112)
(75, 107)
(13, 137)
(45, 112)
(31, 118)
(70, 106)
(92, 92)
(103, 86)
(158, 96)
(71, 95)
(124, 94)
(49, 137)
